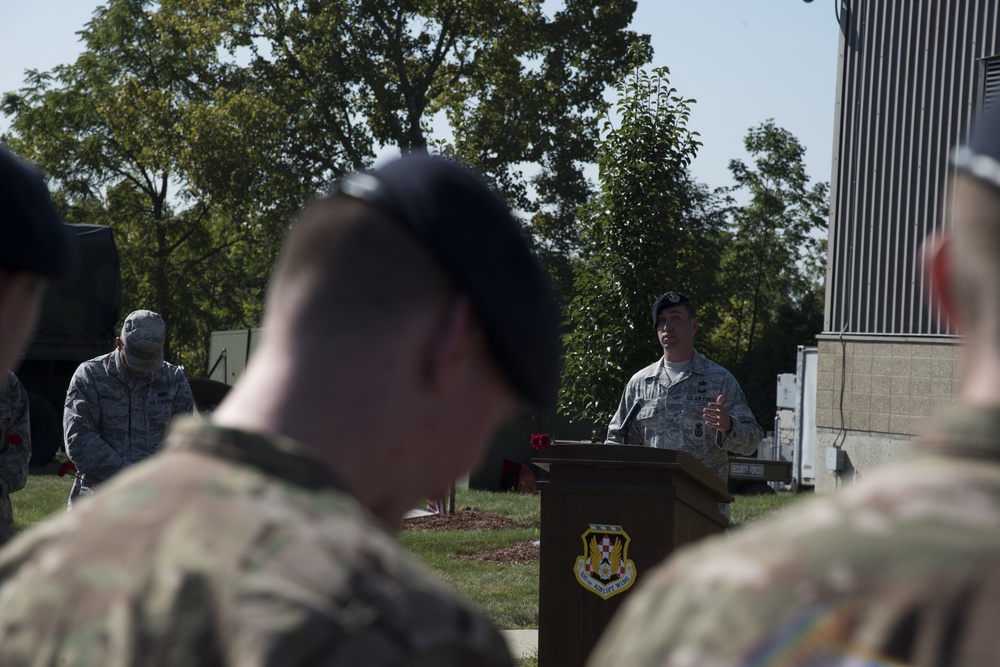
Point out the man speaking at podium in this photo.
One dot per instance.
(684, 401)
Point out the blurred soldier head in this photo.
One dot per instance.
(34, 248)
(963, 262)
(410, 318)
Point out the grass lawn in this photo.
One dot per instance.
(508, 594)
(748, 509)
(43, 495)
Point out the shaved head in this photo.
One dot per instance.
(975, 223)
(347, 274)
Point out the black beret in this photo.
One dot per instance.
(472, 234)
(33, 237)
(669, 300)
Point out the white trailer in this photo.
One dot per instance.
(797, 399)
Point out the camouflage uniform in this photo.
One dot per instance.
(15, 447)
(228, 548)
(112, 420)
(671, 413)
(903, 568)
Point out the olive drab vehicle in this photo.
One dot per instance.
(77, 322)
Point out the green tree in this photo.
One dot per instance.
(772, 265)
(497, 83)
(647, 229)
(114, 133)
(197, 127)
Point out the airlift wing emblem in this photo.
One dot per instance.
(604, 567)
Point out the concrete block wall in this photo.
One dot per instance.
(872, 396)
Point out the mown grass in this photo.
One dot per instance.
(508, 594)
(748, 509)
(45, 494)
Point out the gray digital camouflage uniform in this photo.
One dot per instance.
(670, 416)
(15, 447)
(228, 548)
(112, 420)
(901, 569)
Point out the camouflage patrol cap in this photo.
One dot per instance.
(142, 341)
(472, 234)
(980, 158)
(33, 237)
(669, 300)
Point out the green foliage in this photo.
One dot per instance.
(772, 266)
(196, 128)
(501, 84)
(754, 270)
(117, 132)
(647, 229)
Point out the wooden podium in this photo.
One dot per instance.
(610, 513)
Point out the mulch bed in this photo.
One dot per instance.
(521, 553)
(462, 519)
(470, 519)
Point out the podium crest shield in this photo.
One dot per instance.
(604, 568)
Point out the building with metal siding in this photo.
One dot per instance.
(913, 75)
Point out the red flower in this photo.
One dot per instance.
(541, 441)
(65, 468)
(14, 439)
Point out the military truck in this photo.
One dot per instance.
(77, 322)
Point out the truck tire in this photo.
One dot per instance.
(46, 430)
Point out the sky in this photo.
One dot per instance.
(743, 61)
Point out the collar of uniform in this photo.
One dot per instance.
(279, 456)
(698, 364)
(963, 430)
(697, 367)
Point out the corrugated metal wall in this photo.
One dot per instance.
(910, 73)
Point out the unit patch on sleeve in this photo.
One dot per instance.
(604, 567)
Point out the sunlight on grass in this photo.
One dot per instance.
(43, 495)
(522, 507)
(749, 509)
(508, 594)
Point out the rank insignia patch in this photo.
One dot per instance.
(604, 567)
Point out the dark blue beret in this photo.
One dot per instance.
(669, 300)
(33, 237)
(472, 234)
(981, 156)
